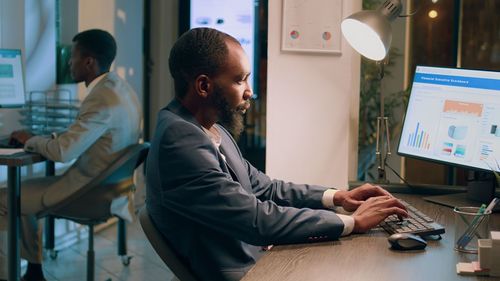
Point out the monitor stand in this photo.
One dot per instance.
(478, 192)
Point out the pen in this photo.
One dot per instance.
(492, 205)
(488, 210)
(466, 237)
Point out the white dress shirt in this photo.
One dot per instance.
(327, 201)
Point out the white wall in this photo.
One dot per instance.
(312, 116)
(164, 32)
(124, 20)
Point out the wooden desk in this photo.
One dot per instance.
(368, 257)
(14, 163)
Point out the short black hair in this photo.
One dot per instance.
(98, 44)
(198, 51)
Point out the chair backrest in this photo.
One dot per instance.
(113, 182)
(163, 249)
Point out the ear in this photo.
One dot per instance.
(203, 85)
(90, 62)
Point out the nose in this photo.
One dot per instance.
(248, 92)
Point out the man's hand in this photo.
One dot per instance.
(352, 199)
(20, 137)
(374, 210)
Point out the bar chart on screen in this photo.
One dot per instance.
(419, 138)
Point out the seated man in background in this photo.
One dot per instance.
(216, 210)
(109, 120)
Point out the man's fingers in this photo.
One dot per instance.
(354, 202)
(376, 190)
(369, 190)
(380, 199)
(399, 204)
(390, 201)
(383, 191)
(395, 211)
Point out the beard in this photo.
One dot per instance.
(229, 118)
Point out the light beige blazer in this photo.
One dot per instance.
(109, 120)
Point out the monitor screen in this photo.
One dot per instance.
(453, 117)
(11, 78)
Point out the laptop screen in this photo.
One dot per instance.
(11, 78)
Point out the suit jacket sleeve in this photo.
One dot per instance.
(285, 193)
(91, 123)
(194, 186)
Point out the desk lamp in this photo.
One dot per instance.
(370, 34)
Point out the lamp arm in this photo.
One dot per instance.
(388, 137)
(414, 11)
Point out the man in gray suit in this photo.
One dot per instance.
(213, 206)
(109, 120)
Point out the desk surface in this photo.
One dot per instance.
(368, 257)
(20, 159)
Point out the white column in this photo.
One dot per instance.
(312, 110)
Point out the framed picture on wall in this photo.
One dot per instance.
(312, 26)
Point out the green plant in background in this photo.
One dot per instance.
(369, 105)
(63, 75)
(369, 110)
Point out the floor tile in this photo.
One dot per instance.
(145, 265)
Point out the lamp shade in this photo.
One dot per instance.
(370, 32)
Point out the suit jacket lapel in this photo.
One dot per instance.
(233, 159)
(230, 165)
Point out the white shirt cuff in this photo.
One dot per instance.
(327, 199)
(348, 224)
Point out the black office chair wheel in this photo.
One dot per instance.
(53, 254)
(126, 260)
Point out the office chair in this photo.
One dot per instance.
(163, 249)
(91, 204)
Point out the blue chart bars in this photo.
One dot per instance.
(419, 139)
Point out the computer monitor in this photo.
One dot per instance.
(11, 78)
(453, 117)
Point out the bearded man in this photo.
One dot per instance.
(216, 210)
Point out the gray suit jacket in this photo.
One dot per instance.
(217, 214)
(109, 120)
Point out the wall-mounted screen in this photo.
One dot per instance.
(11, 78)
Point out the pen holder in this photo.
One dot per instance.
(470, 225)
